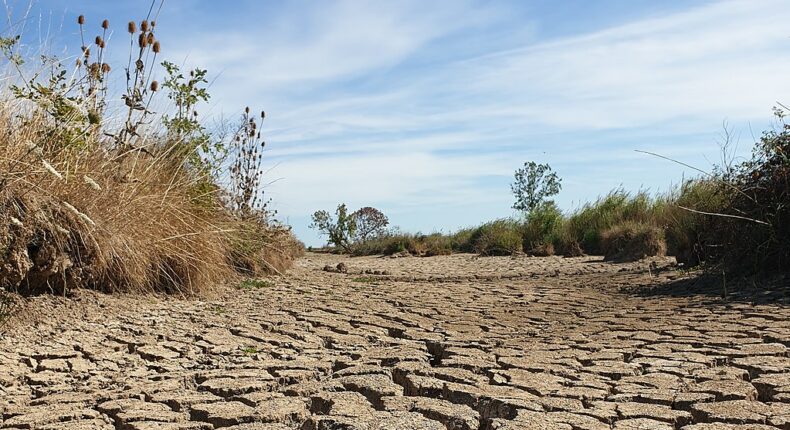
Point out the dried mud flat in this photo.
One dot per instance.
(453, 342)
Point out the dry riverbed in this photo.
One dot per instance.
(455, 342)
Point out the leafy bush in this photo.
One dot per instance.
(738, 219)
(632, 241)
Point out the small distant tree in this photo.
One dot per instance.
(346, 229)
(534, 183)
(370, 224)
(340, 229)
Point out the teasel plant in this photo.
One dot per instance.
(140, 85)
(246, 156)
(92, 74)
(73, 102)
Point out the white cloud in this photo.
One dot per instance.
(353, 116)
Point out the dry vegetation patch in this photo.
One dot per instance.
(632, 241)
(131, 200)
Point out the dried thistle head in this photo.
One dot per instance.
(132, 27)
(105, 24)
(81, 20)
(144, 26)
(157, 47)
(94, 70)
(154, 86)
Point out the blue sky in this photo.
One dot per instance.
(425, 109)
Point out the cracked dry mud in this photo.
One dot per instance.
(453, 342)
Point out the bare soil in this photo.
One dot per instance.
(453, 342)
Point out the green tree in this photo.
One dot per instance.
(534, 183)
(370, 224)
(340, 229)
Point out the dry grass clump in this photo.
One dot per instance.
(632, 241)
(86, 217)
(260, 247)
(394, 242)
(542, 250)
(127, 200)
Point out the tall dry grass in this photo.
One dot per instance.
(123, 203)
(112, 221)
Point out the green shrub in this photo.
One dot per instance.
(436, 244)
(461, 241)
(738, 219)
(542, 229)
(687, 233)
(500, 237)
(587, 225)
(632, 241)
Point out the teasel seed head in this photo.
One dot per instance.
(154, 86)
(153, 24)
(81, 20)
(157, 47)
(151, 38)
(132, 27)
(105, 24)
(142, 40)
(247, 110)
(263, 114)
(144, 26)
(105, 68)
(98, 40)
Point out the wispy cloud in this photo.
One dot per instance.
(426, 108)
